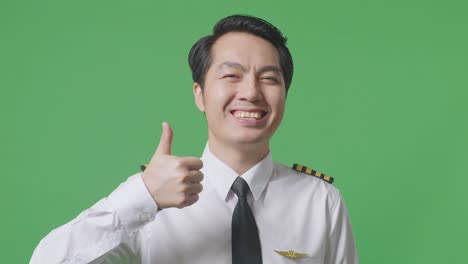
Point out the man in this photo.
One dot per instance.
(234, 205)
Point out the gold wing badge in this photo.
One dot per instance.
(309, 171)
(291, 254)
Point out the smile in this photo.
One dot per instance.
(248, 115)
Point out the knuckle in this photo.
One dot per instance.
(178, 163)
(187, 176)
(180, 201)
(179, 180)
(184, 188)
(182, 176)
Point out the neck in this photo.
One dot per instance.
(239, 158)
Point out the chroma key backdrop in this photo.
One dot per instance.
(378, 102)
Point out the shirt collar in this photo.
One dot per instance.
(222, 176)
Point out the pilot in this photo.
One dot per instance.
(233, 204)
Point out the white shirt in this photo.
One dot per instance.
(293, 211)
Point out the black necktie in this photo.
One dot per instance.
(245, 241)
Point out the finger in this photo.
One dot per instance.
(165, 142)
(195, 176)
(193, 163)
(191, 199)
(194, 188)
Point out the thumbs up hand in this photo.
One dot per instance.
(172, 181)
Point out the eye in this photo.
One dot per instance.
(270, 79)
(230, 76)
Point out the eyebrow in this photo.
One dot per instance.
(239, 66)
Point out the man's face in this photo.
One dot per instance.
(244, 92)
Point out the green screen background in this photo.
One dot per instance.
(378, 101)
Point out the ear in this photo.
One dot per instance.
(198, 94)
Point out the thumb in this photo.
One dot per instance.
(165, 142)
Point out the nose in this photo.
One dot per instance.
(250, 90)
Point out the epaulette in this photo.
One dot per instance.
(310, 171)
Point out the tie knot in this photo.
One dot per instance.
(240, 187)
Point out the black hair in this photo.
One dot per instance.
(200, 54)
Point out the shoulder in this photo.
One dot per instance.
(303, 173)
(300, 179)
(310, 171)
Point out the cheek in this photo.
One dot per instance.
(277, 101)
(221, 95)
(280, 111)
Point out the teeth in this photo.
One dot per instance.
(247, 115)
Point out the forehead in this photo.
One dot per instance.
(245, 49)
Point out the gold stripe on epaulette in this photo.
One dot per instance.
(298, 167)
(309, 171)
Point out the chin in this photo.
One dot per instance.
(251, 139)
